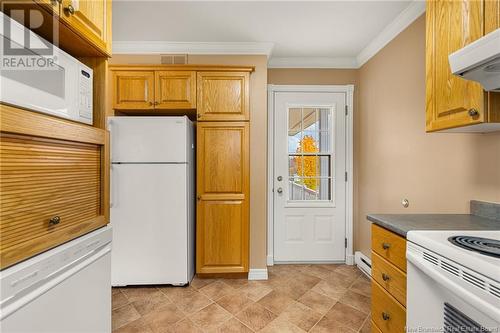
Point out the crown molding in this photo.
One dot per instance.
(401, 22)
(311, 62)
(160, 47)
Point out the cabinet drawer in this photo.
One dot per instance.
(375, 329)
(387, 314)
(50, 192)
(389, 277)
(389, 246)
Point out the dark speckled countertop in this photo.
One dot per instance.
(483, 216)
(402, 223)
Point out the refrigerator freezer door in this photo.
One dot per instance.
(149, 219)
(148, 139)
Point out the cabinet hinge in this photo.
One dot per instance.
(345, 242)
(346, 110)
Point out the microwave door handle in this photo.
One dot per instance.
(455, 288)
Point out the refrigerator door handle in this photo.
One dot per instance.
(112, 195)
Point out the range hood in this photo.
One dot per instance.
(479, 61)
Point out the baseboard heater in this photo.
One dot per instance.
(363, 262)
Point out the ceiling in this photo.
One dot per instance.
(332, 33)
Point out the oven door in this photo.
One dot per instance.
(47, 83)
(440, 301)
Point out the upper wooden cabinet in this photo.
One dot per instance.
(175, 89)
(452, 101)
(223, 96)
(133, 90)
(89, 18)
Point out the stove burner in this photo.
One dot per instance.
(486, 246)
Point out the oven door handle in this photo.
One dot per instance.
(452, 286)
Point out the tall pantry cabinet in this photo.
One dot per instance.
(222, 172)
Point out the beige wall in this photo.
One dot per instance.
(258, 139)
(438, 172)
(393, 156)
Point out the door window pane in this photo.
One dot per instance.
(310, 154)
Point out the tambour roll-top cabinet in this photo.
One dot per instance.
(452, 102)
(388, 281)
(220, 99)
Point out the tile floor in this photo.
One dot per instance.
(296, 298)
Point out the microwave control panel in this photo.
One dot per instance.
(85, 93)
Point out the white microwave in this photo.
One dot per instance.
(41, 77)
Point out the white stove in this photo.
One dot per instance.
(453, 281)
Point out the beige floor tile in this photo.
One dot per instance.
(192, 302)
(124, 315)
(316, 301)
(233, 325)
(293, 289)
(184, 326)
(216, 290)
(367, 327)
(234, 302)
(339, 279)
(137, 326)
(138, 293)
(331, 290)
(362, 286)
(255, 290)
(210, 317)
(327, 325)
(346, 316)
(236, 283)
(146, 305)
(357, 301)
(118, 299)
(115, 290)
(163, 317)
(348, 270)
(176, 293)
(301, 315)
(330, 267)
(255, 316)
(316, 270)
(280, 325)
(275, 302)
(308, 280)
(199, 283)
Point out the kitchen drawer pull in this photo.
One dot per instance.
(385, 246)
(70, 10)
(385, 316)
(385, 277)
(55, 220)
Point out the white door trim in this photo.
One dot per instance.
(349, 91)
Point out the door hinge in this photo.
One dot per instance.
(345, 242)
(346, 110)
(346, 177)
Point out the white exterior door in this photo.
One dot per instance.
(309, 176)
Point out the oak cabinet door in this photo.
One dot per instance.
(91, 20)
(452, 101)
(222, 191)
(223, 96)
(52, 6)
(492, 15)
(175, 89)
(133, 90)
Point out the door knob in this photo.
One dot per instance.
(279, 178)
(279, 190)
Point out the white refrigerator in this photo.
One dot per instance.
(152, 195)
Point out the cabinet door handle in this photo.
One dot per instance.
(385, 316)
(473, 112)
(198, 115)
(385, 246)
(55, 220)
(385, 277)
(199, 198)
(70, 9)
(151, 103)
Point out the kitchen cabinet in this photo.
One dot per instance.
(223, 96)
(222, 197)
(451, 101)
(133, 90)
(388, 281)
(89, 18)
(175, 89)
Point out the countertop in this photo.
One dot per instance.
(402, 223)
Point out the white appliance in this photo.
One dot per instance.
(152, 200)
(62, 89)
(453, 281)
(479, 61)
(66, 289)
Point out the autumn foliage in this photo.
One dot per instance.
(307, 166)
